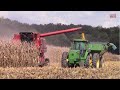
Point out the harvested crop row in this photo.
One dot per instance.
(111, 70)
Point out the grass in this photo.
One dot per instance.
(19, 62)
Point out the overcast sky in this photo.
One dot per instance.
(93, 18)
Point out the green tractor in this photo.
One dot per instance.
(85, 54)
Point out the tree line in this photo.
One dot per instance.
(93, 34)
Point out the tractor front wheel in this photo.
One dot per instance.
(97, 63)
(88, 62)
(64, 62)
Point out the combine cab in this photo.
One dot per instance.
(27, 36)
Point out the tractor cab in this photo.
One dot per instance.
(78, 44)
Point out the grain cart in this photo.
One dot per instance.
(85, 54)
(39, 41)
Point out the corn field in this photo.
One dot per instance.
(18, 61)
(17, 55)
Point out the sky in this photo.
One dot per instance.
(93, 18)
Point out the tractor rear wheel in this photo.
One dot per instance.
(64, 62)
(101, 61)
(97, 63)
(88, 62)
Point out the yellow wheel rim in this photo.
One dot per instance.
(67, 60)
(90, 62)
(98, 63)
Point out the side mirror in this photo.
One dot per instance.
(113, 46)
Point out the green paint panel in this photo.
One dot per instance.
(73, 55)
(96, 47)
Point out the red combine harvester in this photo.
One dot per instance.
(39, 41)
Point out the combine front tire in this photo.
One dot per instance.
(64, 62)
(47, 62)
(97, 63)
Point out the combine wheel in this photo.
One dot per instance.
(47, 62)
(88, 62)
(97, 63)
(40, 64)
(64, 62)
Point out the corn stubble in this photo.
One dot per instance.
(19, 62)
